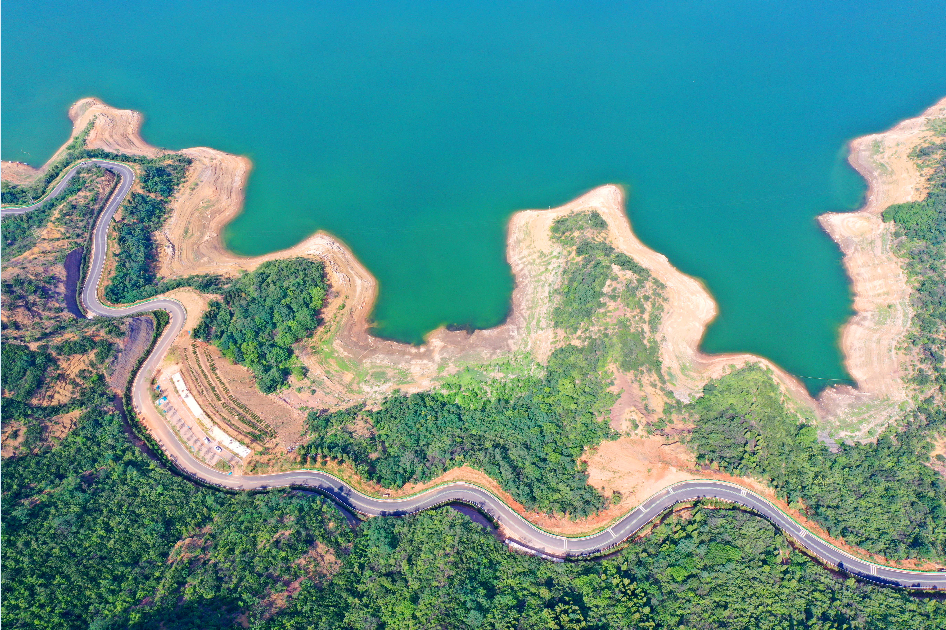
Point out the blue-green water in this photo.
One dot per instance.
(413, 129)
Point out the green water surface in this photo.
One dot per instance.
(412, 130)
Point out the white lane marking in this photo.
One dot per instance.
(744, 492)
(873, 570)
(611, 531)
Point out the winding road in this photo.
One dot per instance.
(520, 533)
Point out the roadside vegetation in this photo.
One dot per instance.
(263, 313)
(527, 432)
(160, 176)
(882, 497)
(94, 532)
(34, 287)
(142, 216)
(140, 547)
(135, 275)
(20, 230)
(98, 534)
(72, 211)
(703, 569)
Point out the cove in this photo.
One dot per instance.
(413, 130)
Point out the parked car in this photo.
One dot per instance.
(218, 449)
(207, 440)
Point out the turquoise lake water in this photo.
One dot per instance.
(412, 130)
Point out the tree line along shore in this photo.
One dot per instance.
(528, 429)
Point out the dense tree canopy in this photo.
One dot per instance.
(135, 261)
(881, 496)
(23, 370)
(527, 433)
(96, 535)
(163, 179)
(710, 569)
(263, 313)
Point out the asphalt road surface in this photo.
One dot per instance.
(520, 532)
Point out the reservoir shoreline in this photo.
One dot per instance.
(213, 194)
(880, 289)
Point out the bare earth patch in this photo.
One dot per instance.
(19, 173)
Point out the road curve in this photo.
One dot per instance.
(519, 531)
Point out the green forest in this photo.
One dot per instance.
(263, 313)
(162, 179)
(703, 569)
(526, 432)
(882, 497)
(97, 535)
(24, 370)
(528, 439)
(135, 274)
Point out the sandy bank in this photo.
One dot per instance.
(870, 338)
(117, 130)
